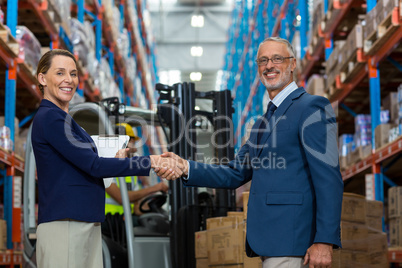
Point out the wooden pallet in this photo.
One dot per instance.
(385, 29)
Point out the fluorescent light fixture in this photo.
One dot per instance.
(197, 21)
(195, 76)
(196, 51)
(197, 108)
(169, 77)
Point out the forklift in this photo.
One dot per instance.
(164, 239)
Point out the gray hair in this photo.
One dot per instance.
(280, 40)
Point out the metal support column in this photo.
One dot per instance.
(375, 108)
(10, 99)
(303, 27)
(80, 13)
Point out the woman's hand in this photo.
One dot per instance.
(122, 153)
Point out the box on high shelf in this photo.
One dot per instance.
(316, 85)
(382, 135)
(334, 59)
(395, 202)
(353, 42)
(390, 103)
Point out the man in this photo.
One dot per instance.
(291, 157)
(114, 203)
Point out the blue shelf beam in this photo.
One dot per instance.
(346, 108)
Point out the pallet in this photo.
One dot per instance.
(385, 29)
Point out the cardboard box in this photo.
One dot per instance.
(201, 245)
(374, 208)
(3, 235)
(395, 202)
(382, 135)
(252, 262)
(390, 103)
(374, 224)
(316, 85)
(353, 259)
(227, 266)
(220, 222)
(378, 243)
(353, 208)
(354, 236)
(364, 151)
(395, 232)
(245, 203)
(226, 244)
(238, 214)
(201, 263)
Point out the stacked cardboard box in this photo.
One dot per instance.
(3, 235)
(395, 216)
(363, 243)
(201, 249)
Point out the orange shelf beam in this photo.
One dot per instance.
(357, 168)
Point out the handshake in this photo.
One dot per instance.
(169, 166)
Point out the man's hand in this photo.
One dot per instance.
(182, 162)
(169, 167)
(162, 186)
(319, 255)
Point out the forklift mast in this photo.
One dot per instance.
(176, 109)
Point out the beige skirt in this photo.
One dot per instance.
(69, 244)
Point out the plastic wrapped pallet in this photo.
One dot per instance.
(30, 48)
(63, 8)
(124, 44)
(80, 40)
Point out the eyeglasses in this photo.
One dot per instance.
(276, 59)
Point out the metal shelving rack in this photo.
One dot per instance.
(268, 18)
(367, 76)
(19, 80)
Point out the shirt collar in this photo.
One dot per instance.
(283, 94)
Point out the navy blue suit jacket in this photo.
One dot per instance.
(70, 172)
(296, 189)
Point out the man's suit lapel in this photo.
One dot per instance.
(278, 115)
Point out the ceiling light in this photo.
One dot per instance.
(196, 51)
(197, 21)
(195, 76)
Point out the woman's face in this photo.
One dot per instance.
(60, 82)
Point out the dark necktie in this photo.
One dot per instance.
(270, 111)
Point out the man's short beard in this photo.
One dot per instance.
(281, 83)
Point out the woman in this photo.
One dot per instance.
(70, 172)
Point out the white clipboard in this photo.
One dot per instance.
(107, 146)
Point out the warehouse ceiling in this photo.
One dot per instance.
(175, 37)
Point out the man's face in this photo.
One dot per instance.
(275, 76)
